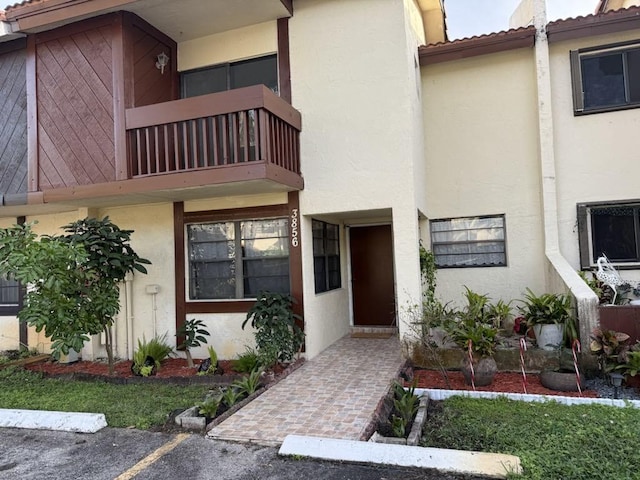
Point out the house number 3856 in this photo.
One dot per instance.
(294, 228)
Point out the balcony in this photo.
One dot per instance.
(244, 134)
(243, 141)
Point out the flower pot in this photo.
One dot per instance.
(549, 336)
(484, 371)
(562, 380)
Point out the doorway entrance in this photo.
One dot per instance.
(372, 281)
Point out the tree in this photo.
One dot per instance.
(73, 280)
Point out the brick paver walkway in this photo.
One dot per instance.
(333, 395)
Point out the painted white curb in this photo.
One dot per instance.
(454, 461)
(45, 420)
(438, 394)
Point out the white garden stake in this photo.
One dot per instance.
(473, 373)
(523, 348)
(576, 346)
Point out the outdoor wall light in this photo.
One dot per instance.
(162, 61)
(616, 380)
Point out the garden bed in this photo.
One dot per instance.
(504, 382)
(172, 370)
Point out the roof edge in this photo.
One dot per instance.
(591, 25)
(523, 37)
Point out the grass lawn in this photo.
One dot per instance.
(553, 441)
(140, 406)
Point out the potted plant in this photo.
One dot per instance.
(547, 314)
(610, 347)
(474, 330)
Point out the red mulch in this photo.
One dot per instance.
(504, 382)
(172, 367)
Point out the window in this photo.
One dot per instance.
(606, 78)
(227, 76)
(237, 259)
(10, 296)
(326, 256)
(469, 242)
(609, 229)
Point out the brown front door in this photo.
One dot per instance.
(372, 276)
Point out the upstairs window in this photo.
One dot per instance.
(606, 78)
(612, 230)
(227, 76)
(469, 242)
(326, 256)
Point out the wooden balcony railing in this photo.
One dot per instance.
(218, 130)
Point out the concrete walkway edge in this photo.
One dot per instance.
(45, 420)
(453, 461)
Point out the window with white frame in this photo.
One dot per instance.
(606, 78)
(609, 229)
(237, 259)
(326, 256)
(469, 242)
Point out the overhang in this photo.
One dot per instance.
(475, 46)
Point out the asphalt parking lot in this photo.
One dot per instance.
(120, 454)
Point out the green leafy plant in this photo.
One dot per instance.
(610, 347)
(474, 325)
(398, 426)
(547, 308)
(230, 396)
(157, 348)
(246, 362)
(428, 270)
(209, 408)
(210, 365)
(248, 384)
(278, 337)
(631, 366)
(405, 404)
(499, 313)
(146, 370)
(73, 279)
(194, 335)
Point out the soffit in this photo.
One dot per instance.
(181, 20)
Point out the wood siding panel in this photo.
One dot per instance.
(149, 85)
(75, 108)
(13, 122)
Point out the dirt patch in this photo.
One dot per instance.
(172, 370)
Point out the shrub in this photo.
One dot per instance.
(157, 349)
(278, 338)
(248, 384)
(247, 362)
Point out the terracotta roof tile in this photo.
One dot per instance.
(611, 14)
(479, 45)
(612, 21)
(484, 36)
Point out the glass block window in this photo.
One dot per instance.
(469, 242)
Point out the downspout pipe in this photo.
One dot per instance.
(128, 296)
(586, 299)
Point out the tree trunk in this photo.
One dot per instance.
(189, 359)
(109, 347)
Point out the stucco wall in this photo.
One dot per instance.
(233, 45)
(482, 159)
(596, 154)
(152, 239)
(356, 94)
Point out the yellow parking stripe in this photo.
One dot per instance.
(152, 457)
